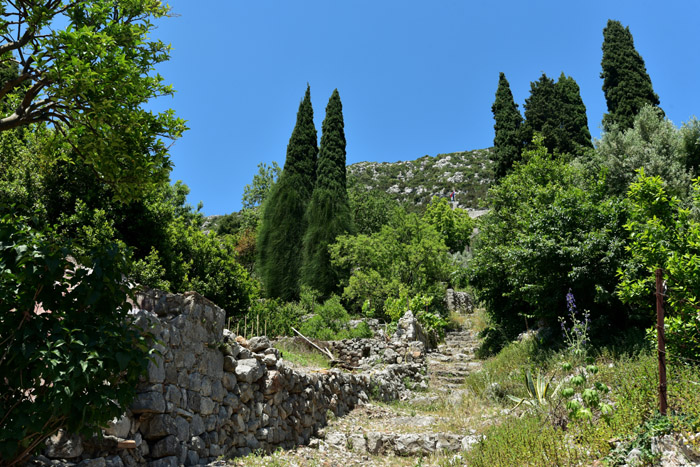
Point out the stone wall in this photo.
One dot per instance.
(459, 302)
(209, 394)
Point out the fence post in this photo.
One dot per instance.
(661, 340)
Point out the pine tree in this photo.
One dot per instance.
(283, 221)
(328, 215)
(572, 134)
(507, 142)
(626, 83)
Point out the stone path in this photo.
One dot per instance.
(428, 424)
(454, 359)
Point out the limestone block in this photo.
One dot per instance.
(259, 344)
(196, 426)
(119, 427)
(357, 442)
(249, 370)
(168, 446)
(148, 402)
(63, 445)
(159, 426)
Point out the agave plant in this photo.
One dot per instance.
(539, 390)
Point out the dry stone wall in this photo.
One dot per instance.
(208, 395)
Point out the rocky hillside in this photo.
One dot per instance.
(415, 182)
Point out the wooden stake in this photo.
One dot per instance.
(326, 351)
(661, 341)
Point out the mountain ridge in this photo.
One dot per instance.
(414, 182)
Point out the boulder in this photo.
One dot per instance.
(63, 445)
(249, 370)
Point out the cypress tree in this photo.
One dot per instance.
(283, 221)
(626, 83)
(507, 141)
(541, 112)
(572, 133)
(556, 110)
(328, 214)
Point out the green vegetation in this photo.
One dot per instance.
(300, 354)
(70, 58)
(328, 214)
(87, 206)
(83, 344)
(550, 434)
(557, 112)
(507, 141)
(283, 224)
(626, 83)
(551, 229)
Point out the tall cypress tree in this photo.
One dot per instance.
(541, 112)
(507, 141)
(283, 222)
(328, 215)
(626, 83)
(572, 133)
(556, 110)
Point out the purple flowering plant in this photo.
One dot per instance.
(575, 328)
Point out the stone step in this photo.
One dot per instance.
(397, 444)
(458, 380)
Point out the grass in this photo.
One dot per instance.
(301, 355)
(546, 437)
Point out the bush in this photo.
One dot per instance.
(665, 235)
(550, 229)
(76, 366)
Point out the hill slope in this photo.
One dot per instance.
(414, 183)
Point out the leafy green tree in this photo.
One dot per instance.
(664, 234)
(176, 255)
(328, 214)
(283, 223)
(70, 55)
(455, 225)
(507, 142)
(407, 257)
(255, 194)
(69, 355)
(550, 230)
(371, 209)
(626, 83)
(652, 143)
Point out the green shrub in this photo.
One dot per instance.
(664, 234)
(76, 366)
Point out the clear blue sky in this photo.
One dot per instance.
(415, 77)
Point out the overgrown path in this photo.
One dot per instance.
(427, 427)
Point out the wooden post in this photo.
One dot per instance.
(257, 324)
(245, 325)
(661, 340)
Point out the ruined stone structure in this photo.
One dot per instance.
(206, 395)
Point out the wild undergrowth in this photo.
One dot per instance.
(555, 431)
